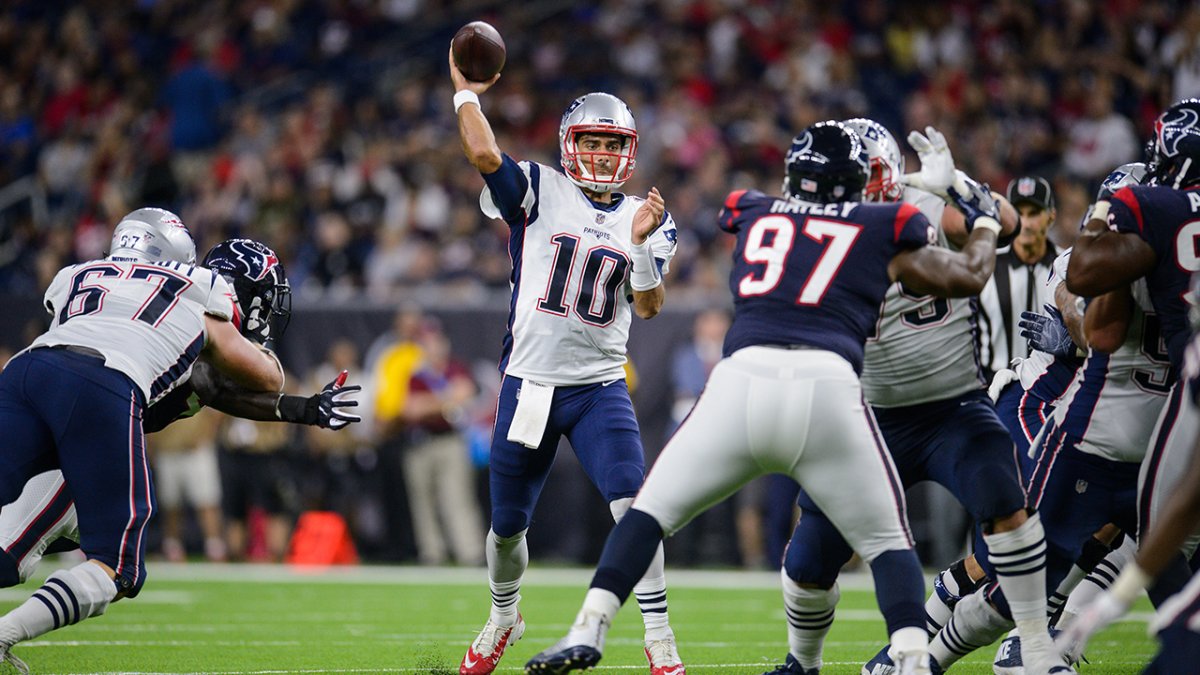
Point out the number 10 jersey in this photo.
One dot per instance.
(570, 312)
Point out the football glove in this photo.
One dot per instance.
(977, 204)
(1047, 332)
(1095, 617)
(325, 410)
(937, 172)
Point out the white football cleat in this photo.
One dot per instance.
(664, 657)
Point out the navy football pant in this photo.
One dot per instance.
(599, 422)
(60, 409)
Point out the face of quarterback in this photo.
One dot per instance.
(600, 152)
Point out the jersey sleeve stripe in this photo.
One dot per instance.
(903, 215)
(731, 212)
(1126, 197)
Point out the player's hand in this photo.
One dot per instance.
(461, 82)
(976, 202)
(326, 409)
(937, 172)
(1095, 617)
(648, 217)
(1047, 332)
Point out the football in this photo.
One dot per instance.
(478, 51)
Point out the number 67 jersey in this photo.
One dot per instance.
(146, 319)
(813, 274)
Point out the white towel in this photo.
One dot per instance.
(533, 410)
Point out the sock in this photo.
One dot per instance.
(975, 623)
(651, 591)
(67, 597)
(1019, 557)
(809, 616)
(899, 585)
(627, 554)
(594, 618)
(507, 558)
(1099, 579)
(1093, 552)
(949, 586)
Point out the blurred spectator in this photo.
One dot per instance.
(437, 468)
(1102, 139)
(185, 470)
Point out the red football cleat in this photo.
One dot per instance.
(485, 652)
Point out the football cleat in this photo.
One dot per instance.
(485, 652)
(664, 657)
(581, 649)
(1008, 656)
(6, 656)
(791, 667)
(882, 664)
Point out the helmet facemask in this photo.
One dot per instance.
(603, 114)
(886, 160)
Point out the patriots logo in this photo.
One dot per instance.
(258, 263)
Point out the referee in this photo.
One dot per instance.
(1019, 282)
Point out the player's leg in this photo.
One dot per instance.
(43, 513)
(608, 444)
(704, 462)
(1165, 464)
(847, 449)
(1023, 415)
(811, 562)
(517, 475)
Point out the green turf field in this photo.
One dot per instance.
(265, 619)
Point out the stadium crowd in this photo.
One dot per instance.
(325, 127)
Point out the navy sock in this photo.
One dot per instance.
(627, 553)
(900, 589)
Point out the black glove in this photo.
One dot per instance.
(1047, 333)
(977, 203)
(323, 410)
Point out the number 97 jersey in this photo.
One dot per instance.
(813, 274)
(146, 319)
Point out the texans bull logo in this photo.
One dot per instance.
(1175, 127)
(259, 261)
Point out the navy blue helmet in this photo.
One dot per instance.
(264, 296)
(827, 163)
(1175, 154)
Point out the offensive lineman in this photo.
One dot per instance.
(126, 329)
(582, 255)
(786, 397)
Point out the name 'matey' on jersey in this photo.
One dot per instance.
(923, 347)
(1169, 221)
(147, 319)
(813, 274)
(570, 313)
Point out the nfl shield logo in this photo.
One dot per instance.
(1026, 186)
(599, 218)
(1081, 486)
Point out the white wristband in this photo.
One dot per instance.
(1099, 211)
(987, 223)
(643, 276)
(464, 97)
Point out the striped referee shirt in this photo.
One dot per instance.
(1014, 288)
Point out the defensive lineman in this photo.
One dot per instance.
(786, 397)
(585, 258)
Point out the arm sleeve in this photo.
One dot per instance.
(663, 243)
(1125, 213)
(912, 228)
(509, 193)
(180, 402)
(732, 209)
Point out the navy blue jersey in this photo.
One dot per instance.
(813, 274)
(1169, 221)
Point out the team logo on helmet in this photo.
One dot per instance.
(257, 261)
(1174, 127)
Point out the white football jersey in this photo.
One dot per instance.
(147, 319)
(923, 348)
(1115, 399)
(571, 308)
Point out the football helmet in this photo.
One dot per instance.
(152, 235)
(264, 296)
(1175, 156)
(1133, 173)
(826, 163)
(887, 162)
(597, 113)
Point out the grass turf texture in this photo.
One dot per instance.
(266, 619)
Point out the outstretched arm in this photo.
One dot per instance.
(937, 271)
(478, 141)
(324, 409)
(246, 364)
(1104, 261)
